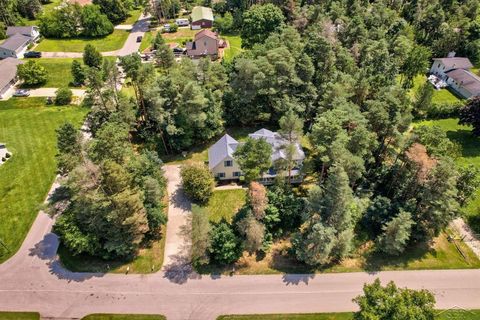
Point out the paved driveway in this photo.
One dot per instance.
(34, 280)
(50, 92)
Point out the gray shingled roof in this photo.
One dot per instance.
(225, 147)
(8, 70)
(27, 30)
(16, 42)
(277, 142)
(466, 79)
(455, 63)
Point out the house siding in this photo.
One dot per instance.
(203, 23)
(227, 170)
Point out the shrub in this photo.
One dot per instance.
(32, 73)
(444, 110)
(197, 182)
(7, 155)
(63, 96)
(224, 247)
(173, 28)
(3, 159)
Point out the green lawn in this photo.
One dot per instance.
(439, 96)
(27, 127)
(224, 204)
(111, 42)
(58, 71)
(147, 40)
(442, 315)
(46, 8)
(470, 154)
(235, 46)
(19, 316)
(107, 316)
(133, 16)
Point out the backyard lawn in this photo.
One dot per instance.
(46, 8)
(443, 96)
(470, 154)
(147, 40)
(111, 42)
(19, 316)
(234, 47)
(27, 127)
(133, 16)
(109, 316)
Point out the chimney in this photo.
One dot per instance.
(451, 54)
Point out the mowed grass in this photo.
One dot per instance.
(58, 71)
(470, 154)
(28, 127)
(147, 40)
(133, 16)
(224, 204)
(234, 47)
(19, 316)
(45, 8)
(111, 42)
(109, 316)
(441, 315)
(442, 96)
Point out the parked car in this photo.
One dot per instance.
(178, 50)
(139, 39)
(33, 54)
(182, 22)
(21, 93)
(166, 27)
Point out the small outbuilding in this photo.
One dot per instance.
(201, 17)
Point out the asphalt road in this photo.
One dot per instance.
(34, 280)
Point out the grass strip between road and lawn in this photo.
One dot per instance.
(112, 42)
(27, 127)
(441, 315)
(111, 316)
(19, 316)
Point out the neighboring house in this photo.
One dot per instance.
(224, 167)
(8, 74)
(30, 31)
(456, 73)
(201, 17)
(206, 43)
(15, 46)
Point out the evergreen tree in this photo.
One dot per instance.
(396, 234)
(92, 57)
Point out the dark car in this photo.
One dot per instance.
(139, 39)
(33, 54)
(178, 50)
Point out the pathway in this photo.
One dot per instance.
(34, 280)
(467, 235)
(50, 92)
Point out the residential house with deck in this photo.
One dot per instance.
(456, 72)
(223, 165)
(205, 44)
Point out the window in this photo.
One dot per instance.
(228, 163)
(237, 174)
(221, 175)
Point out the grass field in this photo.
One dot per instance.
(108, 316)
(470, 154)
(442, 315)
(133, 16)
(111, 42)
(27, 127)
(19, 316)
(46, 8)
(58, 71)
(147, 40)
(235, 47)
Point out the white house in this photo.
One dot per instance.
(456, 73)
(15, 46)
(8, 75)
(223, 165)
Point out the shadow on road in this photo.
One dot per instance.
(296, 279)
(46, 249)
(179, 200)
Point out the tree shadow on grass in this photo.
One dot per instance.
(469, 143)
(376, 261)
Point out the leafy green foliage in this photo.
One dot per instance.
(254, 158)
(78, 73)
(32, 73)
(258, 22)
(94, 23)
(224, 247)
(201, 229)
(92, 57)
(63, 96)
(470, 115)
(197, 182)
(390, 302)
(396, 234)
(115, 10)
